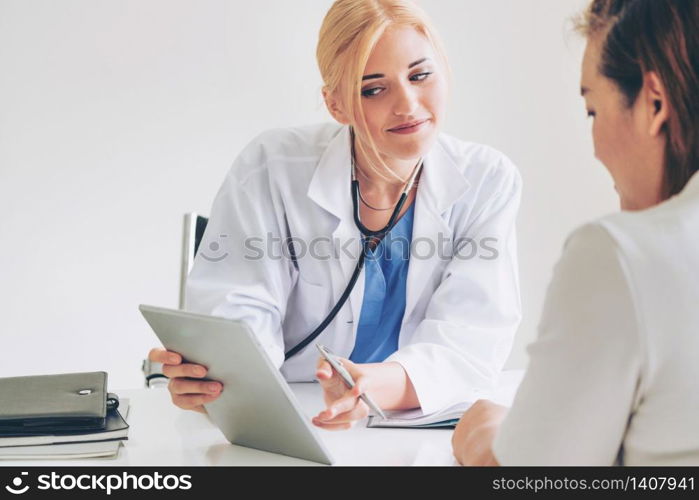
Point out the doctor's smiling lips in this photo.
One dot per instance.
(409, 128)
(215, 246)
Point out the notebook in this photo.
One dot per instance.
(40, 404)
(445, 418)
(93, 449)
(115, 428)
(97, 449)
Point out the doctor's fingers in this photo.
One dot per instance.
(332, 427)
(184, 370)
(347, 402)
(344, 420)
(323, 370)
(160, 355)
(193, 401)
(349, 398)
(332, 415)
(459, 440)
(186, 386)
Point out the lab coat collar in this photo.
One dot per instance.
(331, 181)
(441, 180)
(330, 189)
(441, 185)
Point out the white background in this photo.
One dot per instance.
(116, 117)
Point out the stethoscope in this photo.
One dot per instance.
(368, 236)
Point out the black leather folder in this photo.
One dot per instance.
(43, 404)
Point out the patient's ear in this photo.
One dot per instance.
(657, 103)
(335, 107)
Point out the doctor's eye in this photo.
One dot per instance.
(591, 114)
(420, 76)
(372, 92)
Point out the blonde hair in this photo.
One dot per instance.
(349, 33)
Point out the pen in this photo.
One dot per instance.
(347, 378)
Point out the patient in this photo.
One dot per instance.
(614, 374)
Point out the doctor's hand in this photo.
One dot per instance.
(344, 407)
(473, 437)
(185, 390)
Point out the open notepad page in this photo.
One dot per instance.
(91, 449)
(446, 417)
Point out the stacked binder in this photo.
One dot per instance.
(60, 416)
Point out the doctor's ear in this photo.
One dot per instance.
(657, 103)
(335, 107)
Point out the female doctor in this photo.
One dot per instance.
(434, 308)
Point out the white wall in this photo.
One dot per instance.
(118, 116)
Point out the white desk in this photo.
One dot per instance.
(161, 434)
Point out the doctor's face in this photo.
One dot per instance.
(404, 93)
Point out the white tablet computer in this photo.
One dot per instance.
(257, 408)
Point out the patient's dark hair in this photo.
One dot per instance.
(662, 36)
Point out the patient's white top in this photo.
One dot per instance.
(614, 374)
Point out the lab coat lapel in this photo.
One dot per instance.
(441, 185)
(330, 188)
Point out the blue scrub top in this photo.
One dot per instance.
(386, 272)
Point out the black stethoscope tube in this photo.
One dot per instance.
(366, 232)
(367, 236)
(331, 316)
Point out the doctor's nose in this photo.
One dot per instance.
(406, 103)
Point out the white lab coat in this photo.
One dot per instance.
(461, 312)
